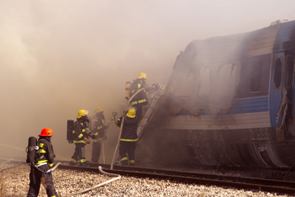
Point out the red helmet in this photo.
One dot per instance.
(46, 132)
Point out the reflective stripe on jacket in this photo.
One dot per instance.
(128, 140)
(79, 141)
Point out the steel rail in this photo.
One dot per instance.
(241, 182)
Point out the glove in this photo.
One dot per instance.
(80, 135)
(51, 165)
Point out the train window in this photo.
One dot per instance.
(278, 73)
(254, 76)
(255, 81)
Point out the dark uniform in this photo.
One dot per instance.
(81, 138)
(138, 96)
(44, 160)
(98, 134)
(128, 139)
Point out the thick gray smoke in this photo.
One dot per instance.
(206, 74)
(59, 56)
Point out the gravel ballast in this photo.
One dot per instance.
(14, 182)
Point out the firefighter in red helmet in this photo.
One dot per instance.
(40, 166)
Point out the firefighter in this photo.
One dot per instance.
(128, 137)
(98, 134)
(138, 96)
(44, 156)
(81, 134)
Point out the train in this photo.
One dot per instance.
(230, 101)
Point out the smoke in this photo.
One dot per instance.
(59, 56)
(206, 75)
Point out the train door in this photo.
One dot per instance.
(277, 91)
(281, 86)
(290, 86)
(290, 63)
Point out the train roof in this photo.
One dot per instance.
(231, 48)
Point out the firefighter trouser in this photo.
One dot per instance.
(96, 150)
(35, 181)
(79, 154)
(127, 152)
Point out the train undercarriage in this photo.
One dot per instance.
(256, 148)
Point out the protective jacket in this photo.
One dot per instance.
(45, 153)
(138, 93)
(129, 129)
(81, 130)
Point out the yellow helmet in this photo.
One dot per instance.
(142, 75)
(81, 113)
(131, 112)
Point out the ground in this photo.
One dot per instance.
(14, 182)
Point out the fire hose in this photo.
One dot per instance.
(116, 177)
(117, 145)
(53, 168)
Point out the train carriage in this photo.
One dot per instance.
(230, 101)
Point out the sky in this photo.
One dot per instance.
(59, 56)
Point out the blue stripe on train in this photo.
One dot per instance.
(250, 104)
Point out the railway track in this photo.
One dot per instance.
(241, 182)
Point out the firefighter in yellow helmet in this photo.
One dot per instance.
(138, 97)
(81, 134)
(128, 137)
